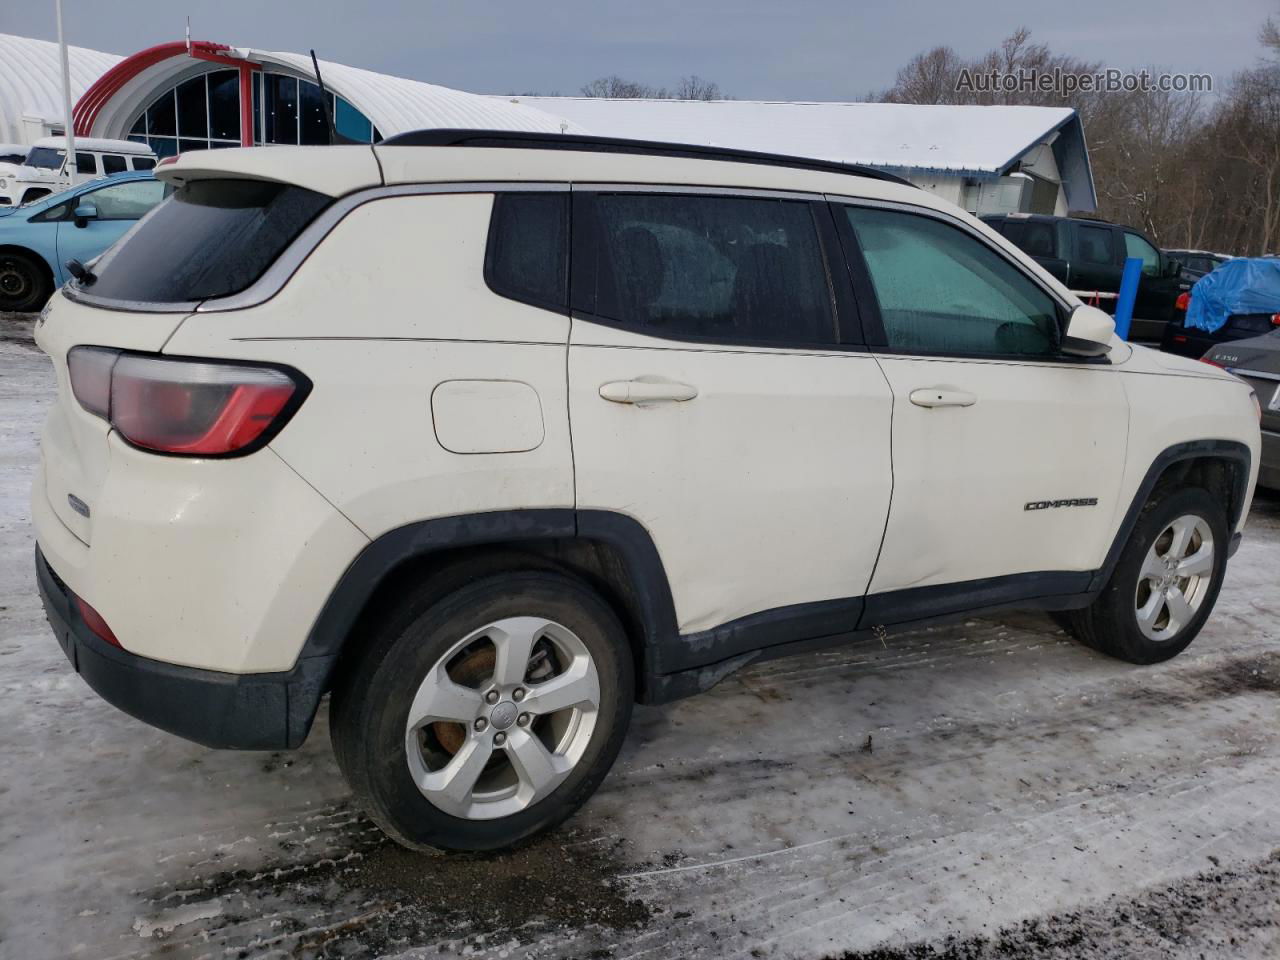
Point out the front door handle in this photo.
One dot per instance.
(644, 390)
(942, 397)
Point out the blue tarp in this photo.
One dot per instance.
(1242, 285)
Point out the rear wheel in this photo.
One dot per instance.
(1166, 581)
(24, 285)
(487, 717)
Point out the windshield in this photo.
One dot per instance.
(47, 158)
(210, 239)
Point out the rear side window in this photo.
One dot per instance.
(211, 238)
(728, 269)
(113, 163)
(143, 163)
(528, 254)
(1097, 245)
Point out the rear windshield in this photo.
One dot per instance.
(210, 239)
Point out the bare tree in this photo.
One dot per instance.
(692, 87)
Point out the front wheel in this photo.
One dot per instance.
(23, 284)
(487, 717)
(1165, 583)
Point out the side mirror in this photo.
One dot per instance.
(84, 212)
(1172, 268)
(1089, 332)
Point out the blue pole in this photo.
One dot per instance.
(1128, 294)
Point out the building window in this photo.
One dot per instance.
(203, 113)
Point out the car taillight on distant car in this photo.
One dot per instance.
(197, 408)
(1183, 301)
(1275, 319)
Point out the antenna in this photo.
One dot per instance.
(334, 135)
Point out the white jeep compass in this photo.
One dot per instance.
(491, 435)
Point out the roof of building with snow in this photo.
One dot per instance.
(31, 80)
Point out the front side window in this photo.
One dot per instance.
(210, 238)
(125, 201)
(941, 290)
(713, 268)
(1097, 245)
(528, 258)
(1136, 246)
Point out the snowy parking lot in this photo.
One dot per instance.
(988, 788)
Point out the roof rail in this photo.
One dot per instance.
(526, 140)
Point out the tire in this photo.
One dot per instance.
(24, 285)
(440, 655)
(1114, 623)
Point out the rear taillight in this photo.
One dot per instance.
(198, 408)
(1212, 363)
(1183, 301)
(1275, 319)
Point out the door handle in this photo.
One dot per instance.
(644, 390)
(942, 397)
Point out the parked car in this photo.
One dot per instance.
(37, 240)
(490, 435)
(46, 170)
(1240, 299)
(1256, 361)
(1196, 263)
(1089, 255)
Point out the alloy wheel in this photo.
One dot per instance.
(1175, 578)
(502, 718)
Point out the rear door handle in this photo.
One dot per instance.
(942, 397)
(644, 390)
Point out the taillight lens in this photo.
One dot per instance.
(1275, 319)
(194, 408)
(93, 620)
(1183, 301)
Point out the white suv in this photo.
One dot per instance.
(490, 435)
(45, 170)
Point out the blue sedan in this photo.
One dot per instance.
(37, 239)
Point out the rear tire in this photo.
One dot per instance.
(24, 284)
(447, 730)
(1165, 583)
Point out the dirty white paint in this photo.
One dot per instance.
(953, 781)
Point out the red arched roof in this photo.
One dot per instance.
(108, 85)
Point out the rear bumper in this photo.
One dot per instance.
(256, 711)
(1269, 462)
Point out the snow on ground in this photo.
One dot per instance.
(977, 790)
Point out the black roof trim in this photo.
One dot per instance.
(525, 140)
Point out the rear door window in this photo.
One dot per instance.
(1097, 245)
(725, 269)
(211, 238)
(86, 163)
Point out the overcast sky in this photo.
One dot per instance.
(790, 49)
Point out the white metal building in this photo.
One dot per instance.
(986, 159)
(31, 85)
(184, 96)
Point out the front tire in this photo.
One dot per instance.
(24, 286)
(1165, 583)
(481, 718)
